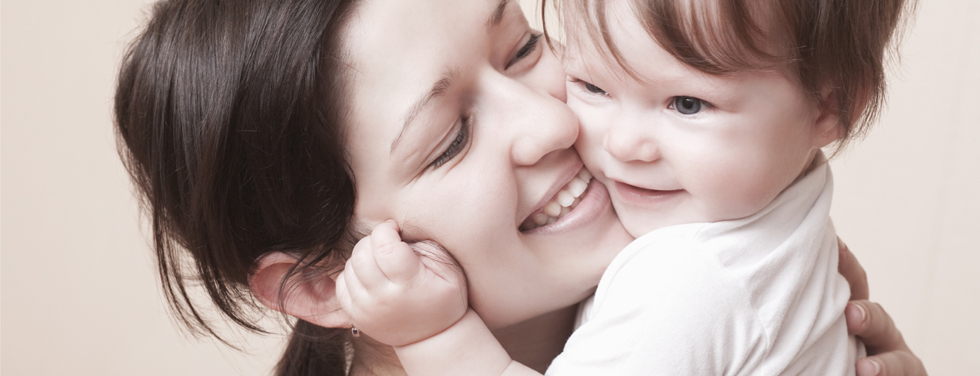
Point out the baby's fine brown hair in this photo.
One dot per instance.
(835, 47)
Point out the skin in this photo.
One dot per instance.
(516, 155)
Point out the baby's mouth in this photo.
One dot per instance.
(563, 203)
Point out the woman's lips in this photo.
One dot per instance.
(645, 197)
(592, 203)
(561, 203)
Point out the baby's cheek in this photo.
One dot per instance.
(589, 142)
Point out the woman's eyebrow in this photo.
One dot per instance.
(437, 90)
(497, 15)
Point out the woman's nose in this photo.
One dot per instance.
(548, 125)
(533, 104)
(630, 140)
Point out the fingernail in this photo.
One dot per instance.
(864, 313)
(877, 366)
(860, 310)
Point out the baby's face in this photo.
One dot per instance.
(674, 145)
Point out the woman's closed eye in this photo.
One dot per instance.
(688, 105)
(466, 121)
(526, 50)
(459, 143)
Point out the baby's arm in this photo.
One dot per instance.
(466, 348)
(414, 299)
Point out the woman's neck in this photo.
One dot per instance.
(534, 343)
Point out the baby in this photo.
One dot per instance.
(705, 122)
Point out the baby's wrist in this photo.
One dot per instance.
(447, 331)
(466, 345)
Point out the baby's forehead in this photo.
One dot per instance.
(637, 60)
(713, 36)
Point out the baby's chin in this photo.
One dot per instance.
(639, 222)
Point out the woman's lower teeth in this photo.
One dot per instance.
(563, 203)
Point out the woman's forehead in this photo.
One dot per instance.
(418, 39)
(400, 50)
(388, 27)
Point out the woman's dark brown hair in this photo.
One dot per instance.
(835, 45)
(229, 116)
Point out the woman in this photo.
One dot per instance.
(246, 125)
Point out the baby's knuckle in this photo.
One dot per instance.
(385, 249)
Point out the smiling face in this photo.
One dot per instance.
(460, 133)
(674, 145)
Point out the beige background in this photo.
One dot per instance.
(79, 295)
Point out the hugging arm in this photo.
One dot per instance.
(465, 348)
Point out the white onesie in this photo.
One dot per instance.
(754, 296)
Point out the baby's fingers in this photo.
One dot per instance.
(364, 266)
(394, 257)
(440, 262)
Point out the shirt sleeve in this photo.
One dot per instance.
(671, 309)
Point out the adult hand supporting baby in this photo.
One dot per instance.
(888, 355)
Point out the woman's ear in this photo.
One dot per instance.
(311, 300)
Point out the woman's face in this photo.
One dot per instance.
(460, 133)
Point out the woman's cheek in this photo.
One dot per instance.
(548, 75)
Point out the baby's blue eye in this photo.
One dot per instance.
(594, 89)
(688, 105)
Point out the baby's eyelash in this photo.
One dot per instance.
(462, 138)
(589, 86)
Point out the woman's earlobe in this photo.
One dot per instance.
(312, 300)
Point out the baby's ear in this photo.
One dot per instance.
(827, 128)
(311, 300)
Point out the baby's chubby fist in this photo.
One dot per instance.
(399, 293)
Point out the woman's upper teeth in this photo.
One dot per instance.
(563, 202)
